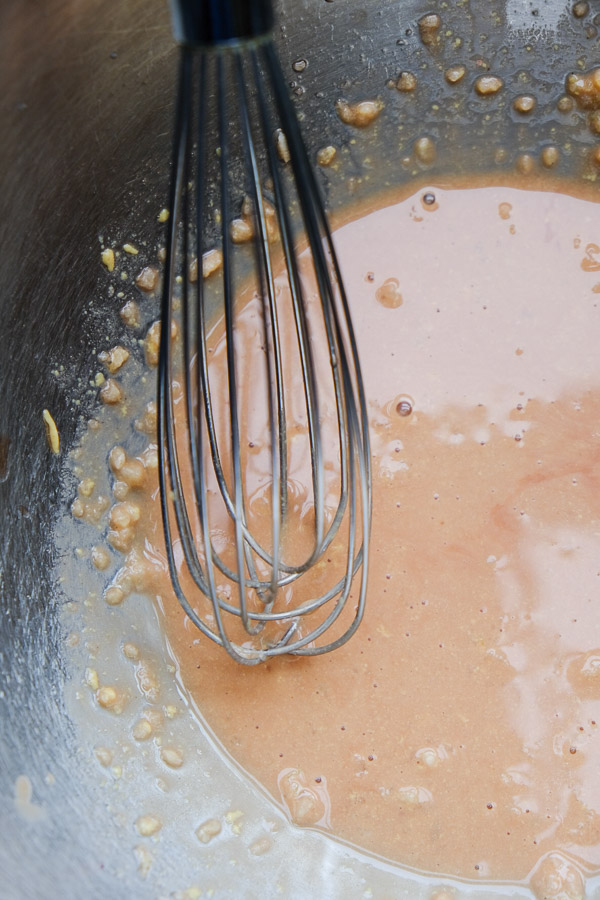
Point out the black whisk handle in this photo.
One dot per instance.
(198, 23)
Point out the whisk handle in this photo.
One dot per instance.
(214, 22)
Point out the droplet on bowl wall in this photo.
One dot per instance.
(326, 155)
(565, 104)
(120, 491)
(91, 679)
(208, 830)
(111, 392)
(425, 150)
(100, 558)
(584, 87)
(281, 145)
(524, 104)
(580, 9)
(488, 85)
(114, 595)
(23, 798)
(150, 457)
(108, 258)
(131, 651)
(148, 422)
(104, 756)
(406, 82)
(550, 157)
(525, 164)
(152, 344)
(147, 825)
(133, 473)
(260, 846)
(115, 358)
(141, 730)
(147, 279)
(241, 231)
(172, 757)
(429, 29)
(212, 261)
(144, 860)
(358, 114)
(130, 314)
(129, 469)
(90, 511)
(234, 820)
(454, 74)
(108, 697)
(124, 517)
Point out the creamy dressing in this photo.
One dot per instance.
(457, 731)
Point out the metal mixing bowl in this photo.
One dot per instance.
(86, 115)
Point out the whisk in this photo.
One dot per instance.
(237, 140)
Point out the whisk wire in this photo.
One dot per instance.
(317, 229)
(353, 383)
(228, 296)
(171, 491)
(273, 362)
(297, 150)
(296, 294)
(194, 406)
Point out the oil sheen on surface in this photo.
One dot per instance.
(459, 730)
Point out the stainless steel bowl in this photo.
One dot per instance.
(85, 121)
